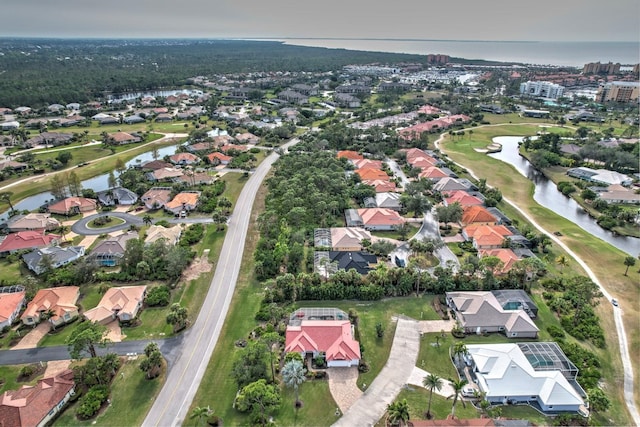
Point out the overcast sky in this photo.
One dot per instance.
(539, 20)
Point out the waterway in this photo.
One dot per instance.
(97, 183)
(547, 195)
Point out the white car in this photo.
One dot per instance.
(614, 302)
(468, 391)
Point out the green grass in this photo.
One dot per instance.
(318, 406)
(114, 221)
(11, 272)
(59, 337)
(132, 394)
(525, 412)
(9, 378)
(418, 399)
(153, 324)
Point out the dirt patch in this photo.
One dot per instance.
(198, 266)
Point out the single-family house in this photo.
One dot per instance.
(477, 215)
(388, 200)
(40, 260)
(433, 174)
(506, 256)
(381, 186)
(463, 198)
(371, 174)
(32, 221)
(117, 196)
(486, 236)
(156, 197)
(37, 405)
(73, 206)
(346, 100)
(58, 305)
(165, 174)
(367, 164)
(247, 138)
(122, 303)
(191, 178)
(130, 120)
(449, 185)
(350, 155)
(122, 138)
(333, 338)
(534, 373)
(185, 201)
(600, 176)
(618, 194)
(293, 97)
(12, 164)
(30, 239)
(10, 305)
(170, 235)
(480, 312)
(328, 263)
(217, 158)
(380, 218)
(233, 147)
(344, 238)
(155, 165)
(109, 252)
(184, 159)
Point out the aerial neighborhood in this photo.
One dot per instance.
(354, 242)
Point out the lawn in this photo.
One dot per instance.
(132, 394)
(9, 378)
(11, 272)
(418, 399)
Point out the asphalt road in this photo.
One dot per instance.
(80, 226)
(199, 341)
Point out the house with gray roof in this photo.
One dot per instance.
(109, 252)
(57, 257)
(117, 196)
(480, 312)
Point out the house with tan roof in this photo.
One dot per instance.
(344, 238)
(185, 201)
(372, 174)
(433, 174)
(32, 221)
(617, 193)
(155, 165)
(59, 303)
(122, 303)
(122, 138)
(165, 174)
(477, 215)
(381, 186)
(30, 239)
(333, 338)
(156, 197)
(233, 147)
(350, 155)
(170, 235)
(10, 306)
(486, 236)
(37, 405)
(376, 218)
(192, 178)
(184, 159)
(247, 138)
(73, 206)
(367, 164)
(480, 312)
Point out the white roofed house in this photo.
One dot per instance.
(534, 373)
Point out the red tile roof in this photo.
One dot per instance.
(380, 216)
(330, 336)
(27, 240)
(507, 256)
(228, 147)
(432, 173)
(9, 304)
(64, 206)
(222, 158)
(372, 174)
(487, 235)
(184, 157)
(60, 300)
(464, 198)
(477, 214)
(351, 155)
(367, 164)
(381, 186)
(29, 405)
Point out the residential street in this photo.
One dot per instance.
(199, 341)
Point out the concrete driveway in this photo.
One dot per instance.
(396, 373)
(343, 386)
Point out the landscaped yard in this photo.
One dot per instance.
(132, 394)
(9, 378)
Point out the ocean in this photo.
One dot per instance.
(573, 54)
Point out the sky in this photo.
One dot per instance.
(504, 20)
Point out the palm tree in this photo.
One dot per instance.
(201, 413)
(562, 262)
(398, 413)
(457, 385)
(293, 376)
(147, 219)
(629, 262)
(432, 382)
(459, 350)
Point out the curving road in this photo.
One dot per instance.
(199, 341)
(81, 226)
(617, 311)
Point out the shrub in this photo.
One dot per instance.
(26, 371)
(555, 332)
(159, 296)
(363, 366)
(91, 402)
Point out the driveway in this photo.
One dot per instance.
(396, 373)
(33, 337)
(343, 387)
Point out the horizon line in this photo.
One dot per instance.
(276, 38)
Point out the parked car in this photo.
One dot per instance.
(468, 391)
(614, 302)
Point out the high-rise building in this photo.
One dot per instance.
(598, 68)
(542, 89)
(618, 92)
(438, 59)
